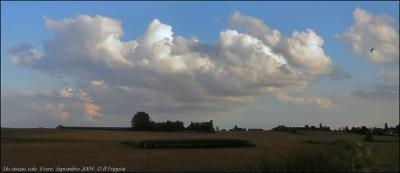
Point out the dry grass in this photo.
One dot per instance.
(52, 147)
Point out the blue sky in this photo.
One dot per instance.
(135, 16)
(23, 22)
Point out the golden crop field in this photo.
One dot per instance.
(73, 147)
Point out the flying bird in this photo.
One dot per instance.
(372, 49)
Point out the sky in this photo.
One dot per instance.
(251, 64)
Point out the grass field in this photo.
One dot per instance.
(274, 151)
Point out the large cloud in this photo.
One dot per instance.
(85, 42)
(302, 49)
(378, 32)
(160, 72)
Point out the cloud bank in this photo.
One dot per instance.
(163, 73)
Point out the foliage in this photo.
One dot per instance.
(378, 131)
(321, 128)
(306, 127)
(201, 126)
(285, 129)
(386, 131)
(359, 130)
(167, 126)
(141, 121)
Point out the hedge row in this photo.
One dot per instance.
(190, 143)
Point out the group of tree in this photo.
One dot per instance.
(167, 126)
(360, 130)
(206, 126)
(320, 128)
(363, 130)
(374, 131)
(284, 128)
(141, 121)
(306, 127)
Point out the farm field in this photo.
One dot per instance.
(74, 147)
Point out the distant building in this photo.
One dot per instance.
(236, 128)
(390, 133)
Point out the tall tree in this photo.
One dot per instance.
(141, 121)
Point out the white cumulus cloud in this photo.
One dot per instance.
(376, 32)
(305, 50)
(257, 28)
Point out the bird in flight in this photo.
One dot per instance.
(372, 49)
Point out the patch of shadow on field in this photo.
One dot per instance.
(333, 156)
(48, 140)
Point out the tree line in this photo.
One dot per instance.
(141, 121)
(363, 130)
(306, 127)
(395, 130)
